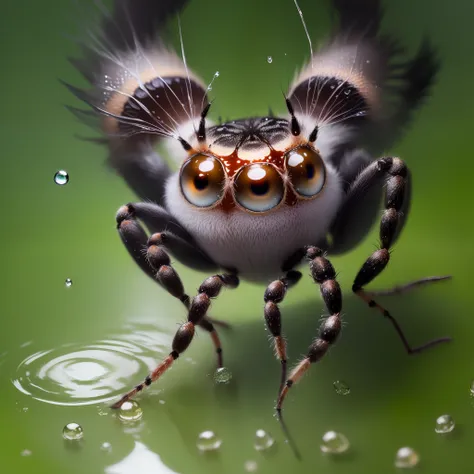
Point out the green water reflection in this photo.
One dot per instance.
(104, 332)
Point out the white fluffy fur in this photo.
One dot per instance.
(257, 244)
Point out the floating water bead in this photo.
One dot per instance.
(406, 458)
(341, 387)
(269, 60)
(444, 424)
(263, 440)
(61, 177)
(130, 411)
(208, 441)
(106, 447)
(73, 431)
(222, 375)
(250, 466)
(68, 282)
(334, 443)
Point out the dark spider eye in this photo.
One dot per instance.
(258, 187)
(306, 170)
(202, 180)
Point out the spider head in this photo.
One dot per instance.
(256, 165)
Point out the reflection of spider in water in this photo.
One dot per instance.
(254, 198)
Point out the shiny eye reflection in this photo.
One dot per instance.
(258, 187)
(202, 180)
(306, 171)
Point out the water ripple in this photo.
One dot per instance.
(75, 374)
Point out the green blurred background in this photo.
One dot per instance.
(116, 316)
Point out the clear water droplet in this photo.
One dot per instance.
(222, 375)
(161, 402)
(68, 283)
(263, 440)
(269, 60)
(73, 431)
(341, 387)
(472, 388)
(106, 447)
(444, 424)
(61, 177)
(334, 443)
(130, 411)
(250, 466)
(208, 441)
(26, 452)
(217, 74)
(209, 88)
(406, 458)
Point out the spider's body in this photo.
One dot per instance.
(255, 198)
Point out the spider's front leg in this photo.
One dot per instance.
(156, 263)
(324, 274)
(274, 294)
(396, 185)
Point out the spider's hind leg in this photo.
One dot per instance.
(396, 179)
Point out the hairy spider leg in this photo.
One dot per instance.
(396, 173)
(135, 239)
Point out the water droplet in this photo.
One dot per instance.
(250, 466)
(444, 424)
(209, 88)
(130, 411)
(73, 431)
(26, 452)
(68, 283)
(263, 440)
(217, 74)
(208, 441)
(472, 388)
(341, 387)
(161, 402)
(334, 443)
(269, 60)
(106, 447)
(61, 177)
(406, 458)
(222, 375)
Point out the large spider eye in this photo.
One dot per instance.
(306, 171)
(202, 180)
(258, 187)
